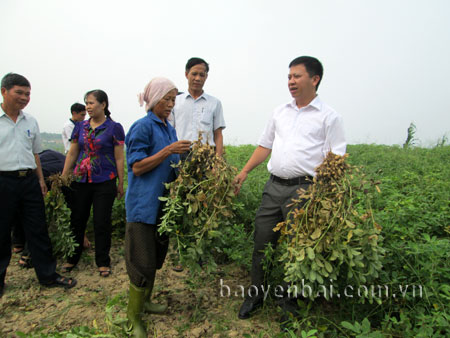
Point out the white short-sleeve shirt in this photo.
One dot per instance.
(19, 142)
(301, 138)
(191, 116)
(67, 134)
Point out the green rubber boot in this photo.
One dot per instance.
(150, 307)
(134, 310)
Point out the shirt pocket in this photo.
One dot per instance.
(206, 119)
(28, 136)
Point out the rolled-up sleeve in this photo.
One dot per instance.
(137, 142)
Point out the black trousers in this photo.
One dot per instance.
(18, 234)
(145, 252)
(101, 196)
(22, 195)
(273, 209)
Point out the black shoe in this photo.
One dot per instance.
(61, 281)
(249, 306)
(1, 290)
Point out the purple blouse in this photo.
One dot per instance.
(96, 162)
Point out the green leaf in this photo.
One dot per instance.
(349, 326)
(316, 234)
(301, 255)
(365, 326)
(310, 253)
(328, 266)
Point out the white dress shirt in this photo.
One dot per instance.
(301, 138)
(67, 134)
(18, 142)
(190, 116)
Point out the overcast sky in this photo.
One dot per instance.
(387, 62)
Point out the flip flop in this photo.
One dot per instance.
(63, 282)
(104, 273)
(17, 249)
(67, 268)
(178, 268)
(25, 262)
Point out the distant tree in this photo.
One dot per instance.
(410, 139)
(442, 141)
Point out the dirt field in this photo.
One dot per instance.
(196, 308)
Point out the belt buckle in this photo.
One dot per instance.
(23, 173)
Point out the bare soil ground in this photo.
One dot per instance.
(196, 308)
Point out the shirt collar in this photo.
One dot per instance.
(316, 103)
(105, 124)
(203, 96)
(20, 116)
(155, 118)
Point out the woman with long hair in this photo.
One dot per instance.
(96, 159)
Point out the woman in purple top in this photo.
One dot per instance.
(96, 159)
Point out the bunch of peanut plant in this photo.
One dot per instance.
(330, 237)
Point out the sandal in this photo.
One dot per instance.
(18, 249)
(86, 243)
(104, 273)
(63, 282)
(67, 268)
(178, 268)
(25, 262)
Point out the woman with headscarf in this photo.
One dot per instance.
(152, 146)
(96, 159)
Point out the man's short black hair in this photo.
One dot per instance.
(312, 65)
(196, 61)
(12, 79)
(77, 108)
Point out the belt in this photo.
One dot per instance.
(292, 181)
(18, 173)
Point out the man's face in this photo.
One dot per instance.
(16, 98)
(196, 77)
(78, 117)
(300, 83)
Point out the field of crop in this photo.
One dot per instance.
(413, 286)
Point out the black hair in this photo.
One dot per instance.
(12, 79)
(77, 108)
(312, 65)
(196, 61)
(101, 97)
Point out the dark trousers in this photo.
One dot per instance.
(273, 209)
(101, 196)
(145, 252)
(23, 195)
(18, 234)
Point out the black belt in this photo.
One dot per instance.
(18, 173)
(292, 181)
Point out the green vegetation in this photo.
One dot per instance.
(413, 210)
(198, 206)
(330, 238)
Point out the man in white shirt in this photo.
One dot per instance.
(78, 111)
(22, 183)
(298, 136)
(195, 111)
